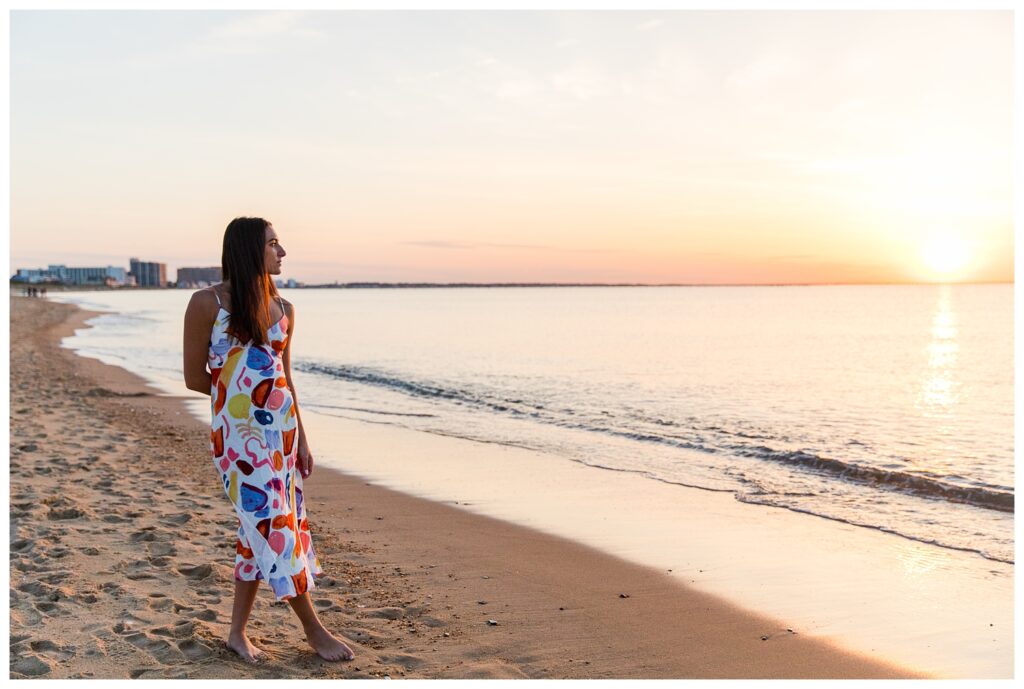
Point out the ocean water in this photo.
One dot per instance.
(886, 407)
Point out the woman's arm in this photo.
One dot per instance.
(303, 457)
(199, 317)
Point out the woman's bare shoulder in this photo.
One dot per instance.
(204, 301)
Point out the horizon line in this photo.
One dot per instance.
(369, 284)
(373, 284)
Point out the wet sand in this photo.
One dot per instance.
(122, 551)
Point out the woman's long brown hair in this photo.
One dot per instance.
(242, 263)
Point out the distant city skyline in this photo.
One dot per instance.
(655, 147)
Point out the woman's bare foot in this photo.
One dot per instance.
(328, 646)
(242, 646)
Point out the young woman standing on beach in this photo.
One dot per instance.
(242, 330)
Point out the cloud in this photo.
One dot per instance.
(253, 32)
(650, 25)
(580, 82)
(765, 73)
(445, 244)
(517, 90)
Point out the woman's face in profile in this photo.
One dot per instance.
(273, 253)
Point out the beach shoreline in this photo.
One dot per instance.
(145, 558)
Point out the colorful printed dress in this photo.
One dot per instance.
(254, 441)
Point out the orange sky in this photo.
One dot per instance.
(657, 147)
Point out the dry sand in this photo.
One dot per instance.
(122, 547)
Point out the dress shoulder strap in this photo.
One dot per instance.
(216, 295)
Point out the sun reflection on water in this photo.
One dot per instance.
(940, 387)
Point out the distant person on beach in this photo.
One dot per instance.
(243, 330)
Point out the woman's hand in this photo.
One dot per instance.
(304, 460)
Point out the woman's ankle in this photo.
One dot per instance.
(314, 628)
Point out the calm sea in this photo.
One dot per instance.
(886, 407)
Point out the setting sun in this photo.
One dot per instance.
(945, 256)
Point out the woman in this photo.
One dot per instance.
(243, 330)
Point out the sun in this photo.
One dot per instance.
(945, 256)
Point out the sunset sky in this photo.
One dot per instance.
(490, 146)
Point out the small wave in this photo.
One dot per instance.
(983, 496)
(921, 486)
(365, 376)
(768, 501)
(314, 406)
(358, 374)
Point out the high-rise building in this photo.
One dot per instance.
(198, 277)
(148, 274)
(110, 275)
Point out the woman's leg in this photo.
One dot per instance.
(323, 642)
(238, 641)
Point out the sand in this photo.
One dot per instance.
(122, 551)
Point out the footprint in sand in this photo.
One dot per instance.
(160, 604)
(50, 609)
(196, 571)
(135, 570)
(406, 662)
(362, 636)
(206, 615)
(52, 650)
(36, 589)
(386, 613)
(158, 549)
(99, 635)
(112, 588)
(56, 577)
(24, 616)
(129, 623)
(161, 650)
(56, 553)
(213, 596)
(25, 566)
(65, 513)
(195, 650)
(181, 630)
(30, 666)
(145, 534)
(22, 545)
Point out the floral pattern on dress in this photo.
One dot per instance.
(254, 443)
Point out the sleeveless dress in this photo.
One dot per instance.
(254, 443)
